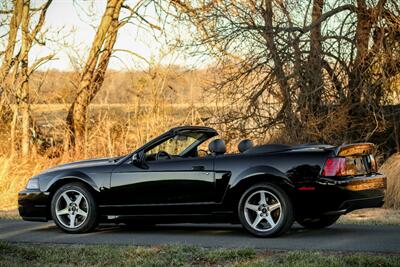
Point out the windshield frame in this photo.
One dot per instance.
(208, 133)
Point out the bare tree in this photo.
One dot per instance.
(8, 55)
(15, 69)
(92, 75)
(298, 66)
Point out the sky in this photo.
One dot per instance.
(76, 20)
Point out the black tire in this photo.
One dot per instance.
(318, 222)
(87, 224)
(286, 212)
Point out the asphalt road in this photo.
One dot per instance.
(339, 237)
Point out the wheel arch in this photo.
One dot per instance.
(58, 182)
(67, 177)
(257, 175)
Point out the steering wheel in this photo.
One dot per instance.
(162, 154)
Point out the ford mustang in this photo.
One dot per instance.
(185, 175)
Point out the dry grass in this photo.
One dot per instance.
(14, 174)
(10, 214)
(372, 216)
(391, 168)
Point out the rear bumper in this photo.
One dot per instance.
(355, 204)
(33, 205)
(336, 197)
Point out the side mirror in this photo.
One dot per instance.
(136, 159)
(139, 161)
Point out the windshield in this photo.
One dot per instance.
(177, 145)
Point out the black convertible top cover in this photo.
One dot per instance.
(281, 147)
(267, 148)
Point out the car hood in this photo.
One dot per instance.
(83, 164)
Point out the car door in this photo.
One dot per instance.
(174, 185)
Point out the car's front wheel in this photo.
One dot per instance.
(265, 210)
(73, 208)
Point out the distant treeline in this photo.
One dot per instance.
(173, 84)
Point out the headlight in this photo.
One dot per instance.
(33, 183)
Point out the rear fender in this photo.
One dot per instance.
(255, 175)
(270, 173)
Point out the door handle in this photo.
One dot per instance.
(198, 168)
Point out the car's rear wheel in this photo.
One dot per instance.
(318, 222)
(265, 210)
(73, 208)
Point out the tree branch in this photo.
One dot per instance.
(39, 62)
(302, 30)
(133, 54)
(6, 11)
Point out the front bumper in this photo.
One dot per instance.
(33, 205)
(340, 196)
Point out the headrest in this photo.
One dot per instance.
(217, 147)
(245, 145)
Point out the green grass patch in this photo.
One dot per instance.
(13, 254)
(326, 259)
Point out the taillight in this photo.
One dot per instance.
(349, 166)
(334, 167)
(374, 165)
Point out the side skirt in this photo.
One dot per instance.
(217, 217)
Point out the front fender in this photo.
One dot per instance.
(49, 180)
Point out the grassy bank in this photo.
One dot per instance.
(372, 216)
(98, 255)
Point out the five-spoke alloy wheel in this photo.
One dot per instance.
(265, 210)
(73, 208)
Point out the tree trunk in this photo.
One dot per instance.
(359, 78)
(279, 73)
(23, 94)
(310, 97)
(92, 75)
(13, 130)
(25, 113)
(363, 30)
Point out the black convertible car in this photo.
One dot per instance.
(185, 175)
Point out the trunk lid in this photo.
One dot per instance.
(351, 160)
(355, 149)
